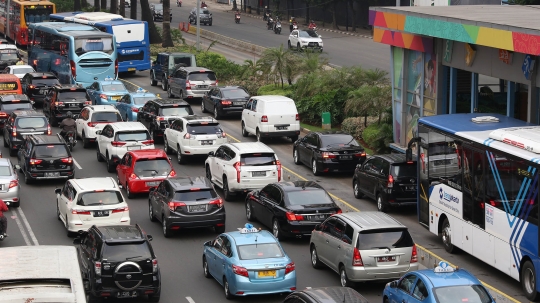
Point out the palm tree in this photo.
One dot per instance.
(147, 16)
(133, 9)
(77, 5)
(293, 67)
(167, 38)
(313, 62)
(376, 77)
(369, 100)
(114, 6)
(277, 58)
(97, 7)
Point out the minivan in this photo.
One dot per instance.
(191, 82)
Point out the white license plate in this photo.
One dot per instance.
(196, 208)
(126, 294)
(101, 213)
(206, 142)
(386, 259)
(282, 127)
(133, 147)
(202, 86)
(43, 91)
(52, 175)
(239, 103)
(258, 173)
(346, 157)
(152, 183)
(317, 217)
(73, 105)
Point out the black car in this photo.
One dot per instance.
(166, 64)
(36, 85)
(157, 12)
(22, 123)
(158, 114)
(205, 16)
(63, 98)
(9, 57)
(225, 100)
(186, 202)
(10, 103)
(328, 152)
(117, 261)
(45, 157)
(291, 209)
(389, 179)
(333, 294)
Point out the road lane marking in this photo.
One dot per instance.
(76, 163)
(21, 228)
(28, 228)
(190, 300)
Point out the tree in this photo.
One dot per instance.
(133, 10)
(375, 77)
(77, 5)
(369, 101)
(147, 16)
(123, 8)
(353, 11)
(103, 5)
(277, 58)
(97, 7)
(114, 7)
(313, 62)
(525, 2)
(167, 38)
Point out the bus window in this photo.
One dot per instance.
(37, 13)
(443, 160)
(83, 46)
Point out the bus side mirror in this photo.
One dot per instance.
(408, 155)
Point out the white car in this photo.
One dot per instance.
(91, 201)
(193, 135)
(18, 70)
(93, 118)
(116, 139)
(242, 167)
(308, 39)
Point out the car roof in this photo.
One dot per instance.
(228, 87)
(103, 108)
(148, 153)
(191, 69)
(68, 86)
(145, 94)
(96, 183)
(458, 277)
(40, 75)
(20, 66)
(272, 98)
(8, 77)
(394, 158)
(251, 147)
(260, 237)
(28, 113)
(185, 182)
(110, 82)
(120, 233)
(120, 126)
(5, 162)
(45, 139)
(169, 101)
(372, 220)
(288, 186)
(334, 294)
(193, 118)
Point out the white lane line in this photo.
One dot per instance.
(190, 300)
(76, 164)
(28, 228)
(25, 237)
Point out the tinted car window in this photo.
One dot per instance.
(202, 76)
(148, 168)
(106, 117)
(142, 100)
(201, 129)
(31, 122)
(69, 95)
(119, 252)
(8, 56)
(113, 87)
(45, 81)
(23, 70)
(404, 170)
(5, 171)
(308, 34)
(16, 106)
(462, 293)
(47, 151)
(195, 195)
(176, 111)
(100, 198)
(259, 251)
(306, 197)
(180, 60)
(258, 159)
(234, 93)
(338, 141)
(383, 238)
(133, 136)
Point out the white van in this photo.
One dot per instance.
(40, 274)
(271, 116)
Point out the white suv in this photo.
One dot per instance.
(91, 201)
(242, 167)
(271, 116)
(116, 139)
(93, 118)
(193, 135)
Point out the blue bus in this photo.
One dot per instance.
(132, 38)
(75, 53)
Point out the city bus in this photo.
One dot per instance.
(132, 38)
(15, 15)
(75, 53)
(478, 189)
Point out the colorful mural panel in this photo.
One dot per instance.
(397, 57)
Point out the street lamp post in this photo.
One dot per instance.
(198, 25)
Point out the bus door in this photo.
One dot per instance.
(423, 185)
(473, 165)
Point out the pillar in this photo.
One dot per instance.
(510, 98)
(532, 104)
(453, 91)
(474, 92)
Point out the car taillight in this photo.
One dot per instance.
(80, 212)
(390, 183)
(217, 202)
(160, 118)
(88, 102)
(133, 176)
(278, 164)
(14, 131)
(414, 256)
(97, 266)
(239, 270)
(49, 130)
(327, 155)
(238, 167)
(216, 83)
(174, 205)
(357, 259)
(297, 117)
(222, 135)
(59, 103)
(103, 96)
(135, 109)
(226, 102)
(188, 85)
(117, 143)
(148, 142)
(290, 268)
(190, 136)
(172, 173)
(13, 183)
(154, 266)
(35, 161)
(293, 217)
(360, 155)
(120, 210)
(264, 119)
(92, 124)
(3, 115)
(73, 69)
(115, 68)
(67, 160)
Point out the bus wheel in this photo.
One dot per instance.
(446, 236)
(528, 281)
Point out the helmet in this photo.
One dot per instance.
(69, 115)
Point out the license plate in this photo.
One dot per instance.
(52, 175)
(202, 86)
(207, 142)
(131, 69)
(282, 127)
(239, 103)
(126, 294)
(133, 147)
(317, 217)
(152, 183)
(42, 91)
(196, 208)
(442, 162)
(345, 157)
(266, 273)
(101, 213)
(386, 259)
(116, 97)
(411, 188)
(73, 105)
(258, 173)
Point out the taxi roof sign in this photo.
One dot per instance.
(248, 229)
(108, 78)
(141, 90)
(443, 267)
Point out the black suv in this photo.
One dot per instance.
(22, 123)
(157, 11)
(200, 207)
(10, 103)
(166, 64)
(389, 179)
(45, 157)
(118, 261)
(205, 16)
(36, 85)
(62, 98)
(158, 114)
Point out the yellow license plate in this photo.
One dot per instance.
(266, 273)
(116, 97)
(131, 69)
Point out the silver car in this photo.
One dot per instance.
(9, 183)
(191, 82)
(363, 246)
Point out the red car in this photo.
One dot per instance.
(140, 170)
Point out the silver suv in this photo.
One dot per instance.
(363, 246)
(191, 82)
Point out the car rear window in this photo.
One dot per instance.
(205, 76)
(258, 159)
(132, 136)
(204, 129)
(45, 81)
(100, 198)
(307, 197)
(259, 251)
(462, 293)
(32, 122)
(234, 93)
(70, 95)
(49, 151)
(114, 87)
(195, 195)
(176, 111)
(152, 167)
(106, 117)
(142, 100)
(5, 171)
(280, 107)
(404, 170)
(118, 252)
(338, 141)
(16, 106)
(384, 238)
(180, 60)
(23, 70)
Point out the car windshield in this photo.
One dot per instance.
(338, 141)
(307, 197)
(22, 70)
(259, 251)
(152, 167)
(31, 122)
(70, 95)
(258, 159)
(123, 252)
(205, 76)
(49, 151)
(308, 34)
(5, 171)
(204, 12)
(235, 93)
(384, 238)
(114, 87)
(99, 44)
(16, 106)
(100, 198)
(8, 56)
(106, 117)
(195, 195)
(142, 100)
(404, 170)
(180, 111)
(133, 136)
(45, 81)
(441, 148)
(204, 129)
(158, 7)
(462, 293)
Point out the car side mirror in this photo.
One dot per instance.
(208, 243)
(98, 132)
(150, 238)
(17, 166)
(211, 154)
(393, 284)
(318, 227)
(77, 241)
(58, 191)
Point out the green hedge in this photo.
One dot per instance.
(378, 137)
(272, 89)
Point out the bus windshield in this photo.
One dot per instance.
(101, 44)
(37, 13)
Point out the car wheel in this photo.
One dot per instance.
(58, 211)
(85, 141)
(164, 82)
(528, 281)
(314, 168)
(12, 151)
(216, 113)
(381, 205)
(130, 195)
(244, 131)
(69, 233)
(446, 236)
(296, 157)
(249, 212)
(345, 282)
(219, 229)
(152, 134)
(206, 272)
(166, 231)
(315, 262)
(27, 179)
(153, 81)
(110, 164)
(5, 142)
(179, 157)
(210, 23)
(289, 44)
(208, 173)
(182, 96)
(98, 154)
(294, 138)
(226, 192)
(151, 211)
(169, 93)
(166, 147)
(228, 294)
(356, 189)
(276, 229)
(203, 109)
(298, 48)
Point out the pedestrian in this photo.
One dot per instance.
(3, 219)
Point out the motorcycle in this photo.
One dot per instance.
(2, 237)
(178, 3)
(70, 140)
(266, 16)
(270, 23)
(237, 19)
(277, 28)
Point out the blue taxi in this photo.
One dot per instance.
(106, 92)
(249, 261)
(443, 284)
(129, 104)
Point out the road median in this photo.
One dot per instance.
(228, 41)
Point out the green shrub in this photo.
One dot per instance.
(378, 137)
(311, 108)
(225, 70)
(272, 89)
(251, 85)
(354, 126)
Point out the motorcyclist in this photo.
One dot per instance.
(312, 25)
(269, 23)
(291, 20)
(266, 13)
(276, 23)
(203, 5)
(67, 125)
(3, 219)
